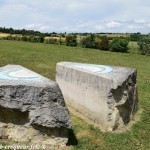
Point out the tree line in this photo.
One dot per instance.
(88, 40)
(25, 32)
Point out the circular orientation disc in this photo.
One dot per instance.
(18, 74)
(100, 69)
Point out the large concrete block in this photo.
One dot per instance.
(106, 95)
(31, 106)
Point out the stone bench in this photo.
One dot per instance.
(32, 107)
(105, 95)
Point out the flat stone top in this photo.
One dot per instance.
(109, 72)
(18, 75)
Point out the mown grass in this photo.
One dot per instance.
(42, 58)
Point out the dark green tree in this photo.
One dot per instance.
(135, 37)
(119, 45)
(103, 44)
(71, 40)
(88, 41)
(144, 45)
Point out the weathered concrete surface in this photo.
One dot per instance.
(31, 105)
(106, 95)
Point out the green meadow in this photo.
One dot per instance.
(42, 58)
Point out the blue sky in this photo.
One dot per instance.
(76, 15)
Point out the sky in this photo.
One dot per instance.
(119, 16)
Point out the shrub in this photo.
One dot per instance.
(52, 41)
(35, 39)
(46, 41)
(24, 38)
(144, 44)
(71, 40)
(30, 38)
(18, 38)
(119, 45)
(41, 39)
(63, 35)
(9, 37)
(88, 42)
(103, 44)
(135, 37)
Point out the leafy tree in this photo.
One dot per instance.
(11, 31)
(24, 38)
(144, 44)
(135, 37)
(63, 35)
(88, 41)
(41, 39)
(103, 44)
(71, 40)
(52, 41)
(119, 45)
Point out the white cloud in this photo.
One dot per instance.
(38, 27)
(140, 21)
(148, 25)
(134, 27)
(99, 27)
(113, 24)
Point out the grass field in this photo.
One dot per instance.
(42, 58)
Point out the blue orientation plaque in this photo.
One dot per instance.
(18, 74)
(99, 69)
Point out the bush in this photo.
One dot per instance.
(144, 44)
(18, 38)
(103, 44)
(135, 37)
(35, 39)
(88, 42)
(24, 38)
(46, 41)
(71, 40)
(119, 45)
(41, 39)
(53, 41)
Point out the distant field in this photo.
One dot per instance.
(7, 34)
(108, 35)
(115, 35)
(4, 34)
(58, 38)
(42, 58)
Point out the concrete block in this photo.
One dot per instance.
(32, 104)
(105, 95)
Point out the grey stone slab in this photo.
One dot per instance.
(29, 98)
(107, 95)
